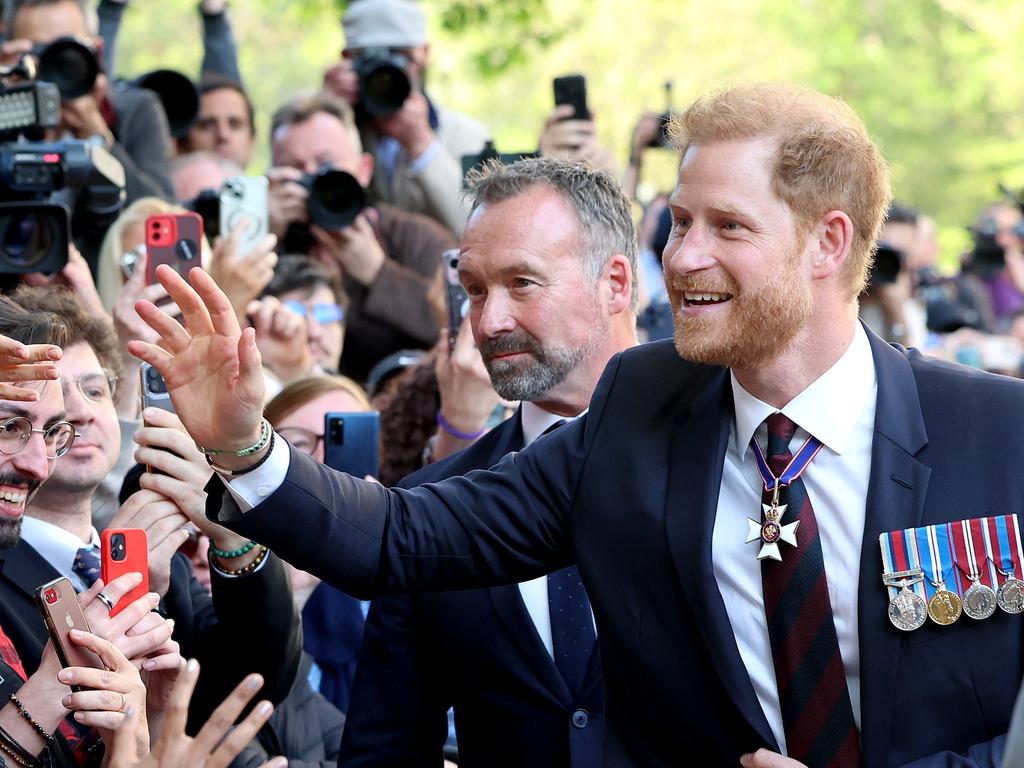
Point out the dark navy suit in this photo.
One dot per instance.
(477, 650)
(630, 492)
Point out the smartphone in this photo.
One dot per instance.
(154, 390)
(572, 90)
(352, 443)
(58, 603)
(174, 239)
(243, 200)
(456, 297)
(125, 550)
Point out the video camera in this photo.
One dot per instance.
(336, 198)
(987, 256)
(48, 190)
(886, 266)
(384, 83)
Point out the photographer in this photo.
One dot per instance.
(418, 145)
(997, 258)
(129, 122)
(887, 305)
(384, 257)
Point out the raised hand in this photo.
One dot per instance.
(25, 362)
(213, 370)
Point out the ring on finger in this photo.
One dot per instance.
(105, 600)
(124, 703)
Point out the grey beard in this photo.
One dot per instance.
(10, 533)
(531, 382)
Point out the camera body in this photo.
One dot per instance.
(384, 82)
(45, 190)
(662, 140)
(336, 198)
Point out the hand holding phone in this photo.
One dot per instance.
(243, 205)
(572, 90)
(58, 603)
(125, 550)
(174, 239)
(457, 299)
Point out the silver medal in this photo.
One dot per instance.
(979, 601)
(908, 610)
(1011, 595)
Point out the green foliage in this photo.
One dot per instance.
(935, 80)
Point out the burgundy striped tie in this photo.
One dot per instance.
(815, 702)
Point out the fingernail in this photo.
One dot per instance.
(149, 413)
(192, 665)
(130, 712)
(264, 708)
(64, 676)
(79, 716)
(77, 634)
(136, 578)
(253, 682)
(148, 664)
(66, 701)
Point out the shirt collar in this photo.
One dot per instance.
(54, 544)
(535, 420)
(828, 408)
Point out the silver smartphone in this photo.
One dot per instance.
(243, 200)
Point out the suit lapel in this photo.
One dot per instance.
(896, 493)
(698, 442)
(26, 569)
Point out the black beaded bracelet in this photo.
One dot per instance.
(31, 720)
(18, 753)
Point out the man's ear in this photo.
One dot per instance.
(832, 240)
(618, 276)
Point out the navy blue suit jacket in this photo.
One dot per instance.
(630, 493)
(477, 650)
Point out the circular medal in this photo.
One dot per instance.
(945, 607)
(979, 601)
(908, 611)
(1011, 595)
(770, 532)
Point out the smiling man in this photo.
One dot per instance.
(723, 642)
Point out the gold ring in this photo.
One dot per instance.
(124, 703)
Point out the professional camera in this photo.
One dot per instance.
(68, 63)
(335, 200)
(886, 266)
(178, 96)
(48, 188)
(384, 83)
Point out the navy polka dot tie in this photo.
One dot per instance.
(87, 565)
(572, 627)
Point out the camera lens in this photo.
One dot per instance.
(117, 547)
(69, 65)
(51, 596)
(335, 199)
(26, 238)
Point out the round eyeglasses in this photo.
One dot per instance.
(324, 313)
(97, 386)
(16, 432)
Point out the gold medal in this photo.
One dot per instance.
(944, 608)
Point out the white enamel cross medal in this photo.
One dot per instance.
(771, 531)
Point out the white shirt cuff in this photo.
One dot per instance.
(417, 166)
(250, 489)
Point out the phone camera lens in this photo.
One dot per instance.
(51, 596)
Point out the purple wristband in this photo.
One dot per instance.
(442, 422)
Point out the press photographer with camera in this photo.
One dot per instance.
(997, 258)
(417, 144)
(320, 205)
(129, 122)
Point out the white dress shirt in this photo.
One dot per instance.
(57, 546)
(838, 409)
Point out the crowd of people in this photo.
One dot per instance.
(665, 578)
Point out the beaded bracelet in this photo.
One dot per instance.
(443, 423)
(224, 472)
(31, 720)
(18, 753)
(246, 569)
(265, 433)
(230, 553)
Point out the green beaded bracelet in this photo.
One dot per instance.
(227, 555)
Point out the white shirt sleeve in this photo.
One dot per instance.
(250, 489)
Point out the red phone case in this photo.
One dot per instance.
(133, 558)
(174, 239)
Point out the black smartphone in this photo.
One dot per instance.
(572, 90)
(352, 443)
(456, 297)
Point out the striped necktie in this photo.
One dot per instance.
(813, 695)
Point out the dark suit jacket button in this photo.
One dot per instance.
(580, 718)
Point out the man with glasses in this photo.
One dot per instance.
(58, 536)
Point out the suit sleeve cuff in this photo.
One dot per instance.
(250, 489)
